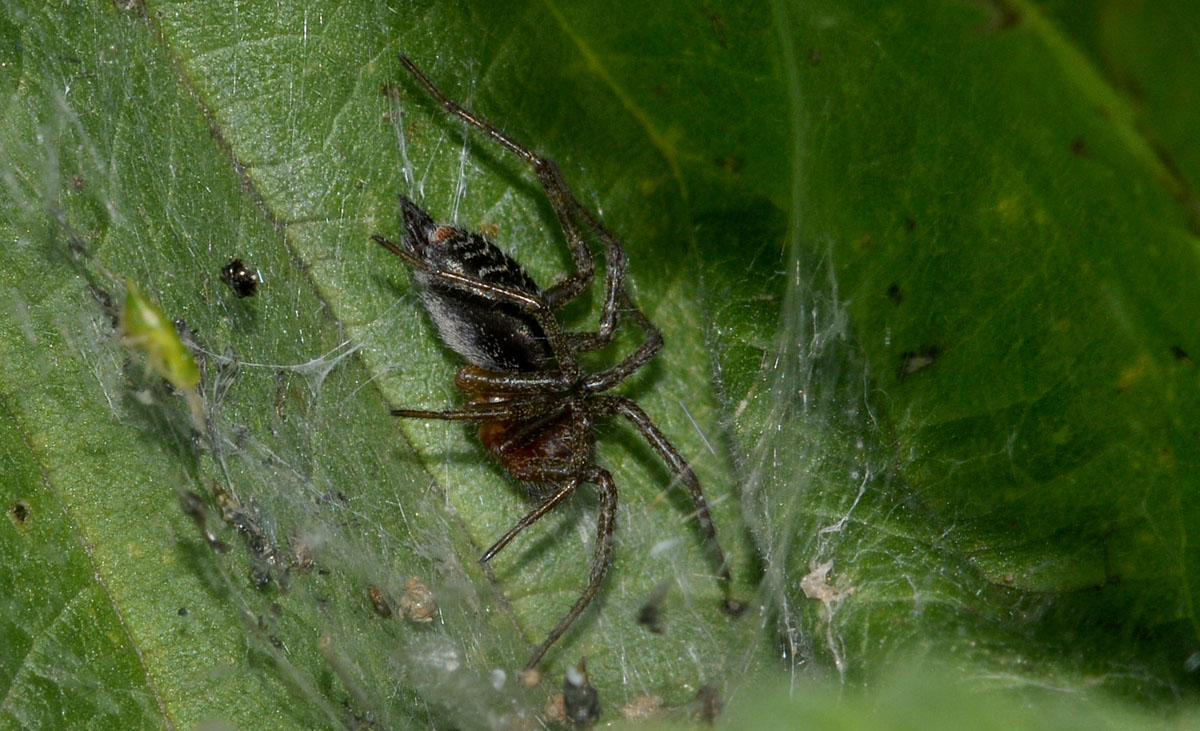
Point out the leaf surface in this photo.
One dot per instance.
(925, 276)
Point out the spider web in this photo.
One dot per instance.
(298, 380)
(298, 449)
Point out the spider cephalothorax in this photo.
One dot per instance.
(534, 405)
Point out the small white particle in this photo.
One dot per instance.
(663, 546)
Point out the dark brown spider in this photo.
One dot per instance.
(534, 404)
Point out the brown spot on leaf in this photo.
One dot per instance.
(1002, 15)
(418, 603)
(709, 700)
(1132, 373)
(380, 601)
(717, 21)
(730, 163)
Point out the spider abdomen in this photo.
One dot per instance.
(547, 451)
(498, 336)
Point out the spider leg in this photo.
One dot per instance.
(532, 517)
(614, 278)
(473, 379)
(569, 211)
(399, 251)
(514, 410)
(534, 305)
(601, 558)
(564, 203)
(451, 414)
(566, 207)
(605, 380)
(642, 422)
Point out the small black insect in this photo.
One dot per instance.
(534, 405)
(240, 278)
(193, 505)
(581, 702)
(650, 615)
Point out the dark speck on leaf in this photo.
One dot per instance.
(581, 702)
(733, 608)
(1001, 15)
(20, 512)
(650, 617)
(731, 163)
(380, 601)
(913, 362)
(710, 704)
(241, 279)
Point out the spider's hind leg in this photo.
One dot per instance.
(669, 454)
(601, 558)
(533, 516)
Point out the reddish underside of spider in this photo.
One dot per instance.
(554, 443)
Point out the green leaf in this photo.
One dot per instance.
(980, 224)
(924, 272)
(911, 698)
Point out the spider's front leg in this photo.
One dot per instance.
(529, 302)
(645, 352)
(570, 213)
(521, 409)
(601, 556)
(480, 381)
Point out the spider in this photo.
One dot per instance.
(535, 407)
